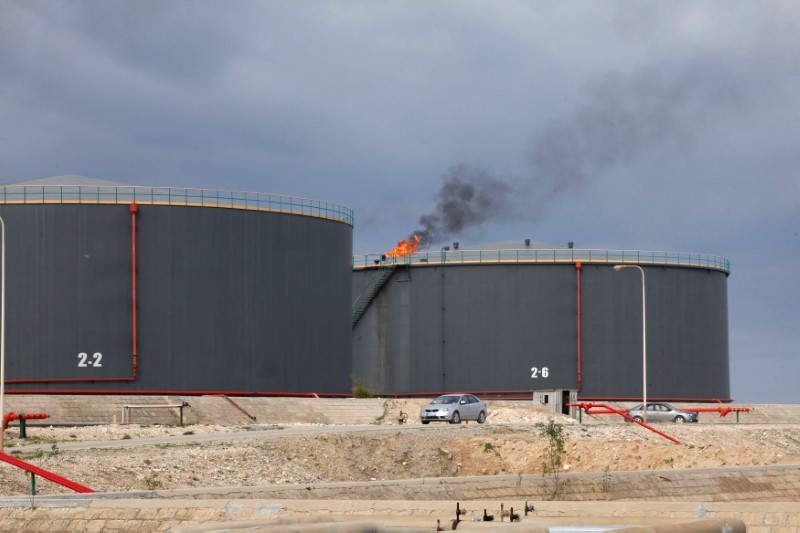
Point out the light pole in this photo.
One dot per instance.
(644, 341)
(2, 331)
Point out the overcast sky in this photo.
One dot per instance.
(626, 125)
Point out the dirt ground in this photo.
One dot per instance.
(509, 443)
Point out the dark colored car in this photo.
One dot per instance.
(662, 412)
(454, 408)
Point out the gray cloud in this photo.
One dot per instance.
(172, 40)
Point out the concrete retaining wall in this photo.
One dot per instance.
(746, 484)
(90, 409)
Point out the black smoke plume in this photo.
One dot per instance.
(468, 197)
(617, 119)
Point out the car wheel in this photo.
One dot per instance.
(425, 421)
(481, 418)
(679, 419)
(638, 418)
(456, 418)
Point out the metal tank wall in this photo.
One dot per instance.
(687, 333)
(228, 300)
(475, 328)
(68, 277)
(486, 327)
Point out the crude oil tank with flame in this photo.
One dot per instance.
(158, 290)
(509, 318)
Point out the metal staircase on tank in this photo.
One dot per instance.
(377, 282)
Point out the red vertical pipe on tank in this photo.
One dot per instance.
(578, 273)
(134, 209)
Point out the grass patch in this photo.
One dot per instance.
(153, 482)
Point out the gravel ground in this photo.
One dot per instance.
(509, 443)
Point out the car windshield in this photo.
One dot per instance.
(446, 399)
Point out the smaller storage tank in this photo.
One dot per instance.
(513, 318)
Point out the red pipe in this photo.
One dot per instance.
(721, 410)
(27, 416)
(239, 407)
(607, 408)
(598, 409)
(578, 274)
(55, 478)
(134, 209)
(602, 409)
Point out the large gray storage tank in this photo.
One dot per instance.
(510, 321)
(232, 292)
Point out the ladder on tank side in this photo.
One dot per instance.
(377, 282)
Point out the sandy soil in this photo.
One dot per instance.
(509, 443)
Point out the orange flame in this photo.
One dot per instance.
(404, 248)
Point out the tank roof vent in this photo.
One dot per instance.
(527, 242)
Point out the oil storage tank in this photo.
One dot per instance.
(511, 318)
(113, 288)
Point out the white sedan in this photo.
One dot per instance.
(454, 408)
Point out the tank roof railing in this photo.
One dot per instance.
(556, 255)
(251, 201)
